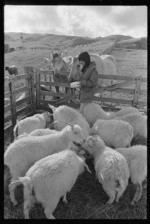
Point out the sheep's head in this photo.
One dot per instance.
(75, 133)
(94, 143)
(48, 117)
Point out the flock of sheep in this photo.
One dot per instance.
(48, 161)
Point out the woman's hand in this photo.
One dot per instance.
(75, 84)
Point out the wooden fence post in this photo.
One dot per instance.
(12, 105)
(27, 82)
(31, 75)
(137, 91)
(37, 88)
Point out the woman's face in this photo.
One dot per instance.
(82, 64)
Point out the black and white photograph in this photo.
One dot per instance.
(75, 111)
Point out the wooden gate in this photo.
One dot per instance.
(98, 96)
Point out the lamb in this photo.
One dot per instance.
(23, 152)
(136, 157)
(93, 111)
(32, 123)
(115, 133)
(70, 115)
(50, 178)
(111, 167)
(138, 122)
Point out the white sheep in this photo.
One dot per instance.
(23, 152)
(32, 123)
(115, 133)
(70, 115)
(111, 167)
(138, 122)
(50, 178)
(39, 132)
(136, 157)
(94, 111)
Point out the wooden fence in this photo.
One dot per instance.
(118, 88)
(35, 88)
(27, 102)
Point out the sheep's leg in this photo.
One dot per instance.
(28, 201)
(57, 89)
(27, 206)
(111, 195)
(111, 200)
(119, 194)
(12, 187)
(66, 90)
(65, 199)
(145, 183)
(138, 194)
(50, 207)
(48, 213)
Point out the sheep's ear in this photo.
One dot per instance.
(52, 107)
(70, 59)
(60, 53)
(86, 166)
(48, 113)
(73, 127)
(102, 176)
(51, 55)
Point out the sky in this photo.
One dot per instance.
(89, 21)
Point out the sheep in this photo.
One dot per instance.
(138, 122)
(50, 178)
(115, 133)
(12, 70)
(70, 115)
(94, 111)
(29, 124)
(39, 132)
(136, 157)
(111, 167)
(22, 153)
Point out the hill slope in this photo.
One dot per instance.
(137, 43)
(56, 41)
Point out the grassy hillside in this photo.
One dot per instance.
(137, 43)
(60, 41)
(56, 41)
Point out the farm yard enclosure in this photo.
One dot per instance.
(87, 199)
(33, 79)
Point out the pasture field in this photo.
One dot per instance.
(87, 200)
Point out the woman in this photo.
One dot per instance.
(89, 79)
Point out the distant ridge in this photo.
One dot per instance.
(62, 41)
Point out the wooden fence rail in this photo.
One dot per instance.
(35, 88)
(10, 111)
(118, 87)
